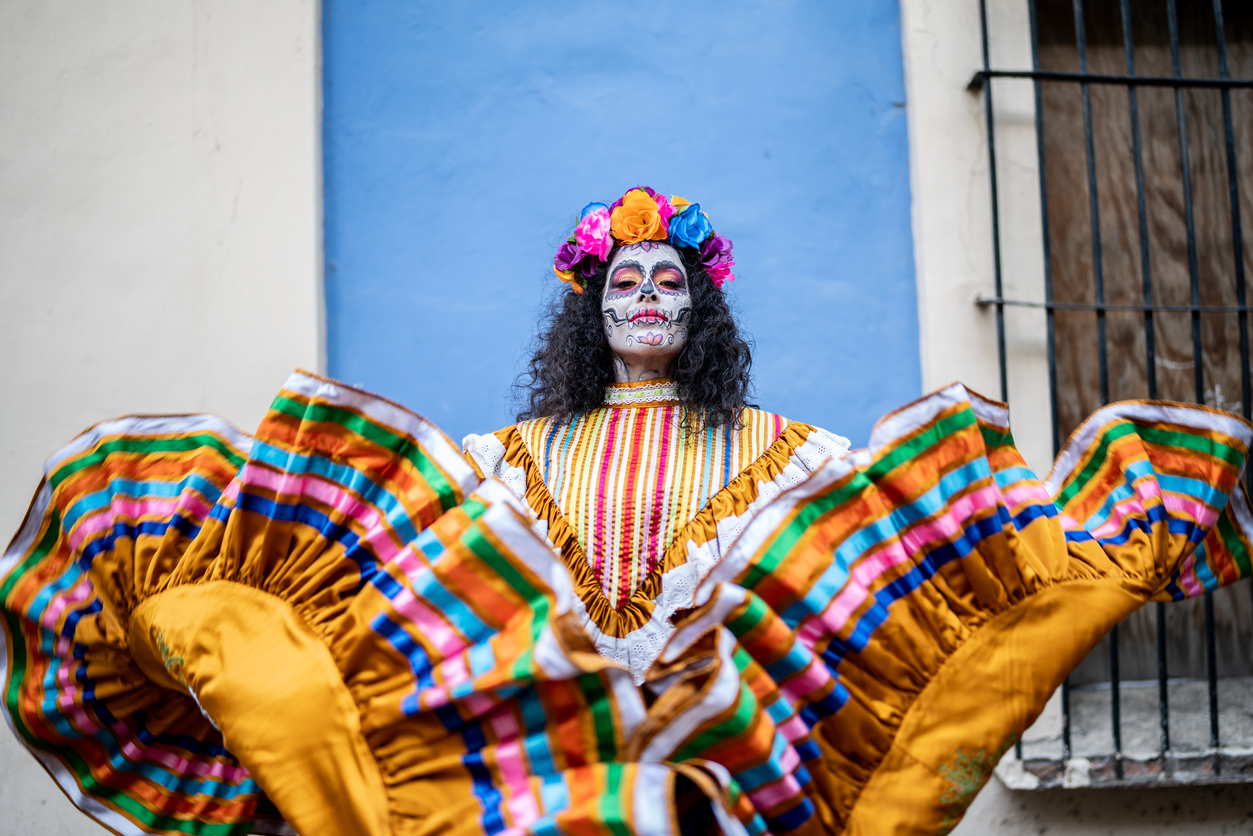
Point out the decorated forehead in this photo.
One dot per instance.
(641, 216)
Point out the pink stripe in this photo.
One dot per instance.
(69, 707)
(178, 765)
(775, 793)
(1032, 492)
(1129, 507)
(410, 563)
(69, 690)
(103, 518)
(814, 677)
(794, 728)
(941, 528)
(454, 671)
(329, 493)
(1069, 523)
(1145, 489)
(811, 631)
(479, 704)
(434, 697)
(122, 506)
(1187, 577)
(231, 494)
(509, 760)
(520, 803)
(1204, 515)
(79, 592)
(430, 624)
(789, 760)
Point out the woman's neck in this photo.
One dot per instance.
(632, 369)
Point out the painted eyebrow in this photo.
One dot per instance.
(624, 264)
(664, 265)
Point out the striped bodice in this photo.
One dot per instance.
(628, 477)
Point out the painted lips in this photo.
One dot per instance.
(648, 316)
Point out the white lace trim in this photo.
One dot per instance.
(625, 396)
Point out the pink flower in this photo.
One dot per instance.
(592, 233)
(721, 274)
(663, 207)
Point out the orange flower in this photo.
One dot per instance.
(567, 276)
(679, 203)
(637, 219)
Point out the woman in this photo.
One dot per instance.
(663, 611)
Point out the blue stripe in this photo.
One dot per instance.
(137, 490)
(363, 556)
(923, 571)
(346, 477)
(1010, 476)
(793, 818)
(931, 503)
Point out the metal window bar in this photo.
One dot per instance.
(980, 82)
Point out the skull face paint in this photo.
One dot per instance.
(647, 308)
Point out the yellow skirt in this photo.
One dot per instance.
(332, 627)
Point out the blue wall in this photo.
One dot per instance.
(460, 144)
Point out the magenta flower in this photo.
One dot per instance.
(592, 234)
(721, 274)
(663, 207)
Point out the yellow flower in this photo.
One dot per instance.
(637, 219)
(679, 203)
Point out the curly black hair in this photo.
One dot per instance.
(572, 362)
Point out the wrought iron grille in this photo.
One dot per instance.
(1224, 760)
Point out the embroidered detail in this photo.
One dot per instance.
(968, 774)
(627, 480)
(624, 396)
(173, 664)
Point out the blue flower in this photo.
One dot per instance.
(690, 227)
(590, 207)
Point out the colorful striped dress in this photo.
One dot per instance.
(338, 626)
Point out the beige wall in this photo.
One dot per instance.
(160, 237)
(952, 222)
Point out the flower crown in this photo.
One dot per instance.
(641, 215)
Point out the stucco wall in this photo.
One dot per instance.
(159, 238)
(952, 222)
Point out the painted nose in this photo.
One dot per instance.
(648, 290)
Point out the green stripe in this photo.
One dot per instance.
(401, 445)
(1151, 435)
(994, 437)
(146, 446)
(66, 753)
(1198, 443)
(750, 618)
(936, 433)
(40, 552)
(786, 540)
(485, 551)
(1235, 545)
(602, 716)
(736, 724)
(613, 804)
(1095, 463)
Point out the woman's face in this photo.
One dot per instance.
(647, 308)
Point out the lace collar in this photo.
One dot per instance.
(641, 392)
